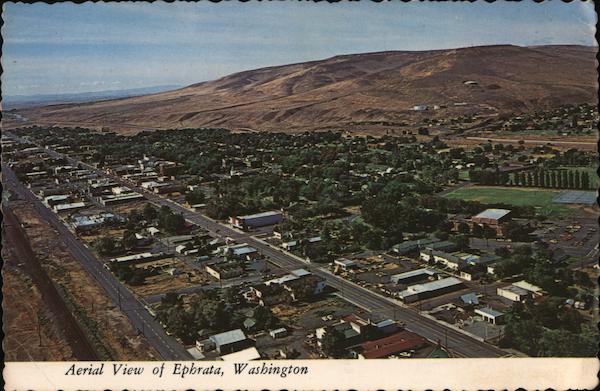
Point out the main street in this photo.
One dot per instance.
(140, 318)
(461, 344)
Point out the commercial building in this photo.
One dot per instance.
(87, 223)
(231, 341)
(513, 293)
(139, 258)
(413, 276)
(60, 208)
(403, 341)
(490, 315)
(224, 270)
(256, 220)
(430, 289)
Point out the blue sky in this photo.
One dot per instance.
(65, 47)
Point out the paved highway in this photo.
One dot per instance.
(461, 344)
(167, 347)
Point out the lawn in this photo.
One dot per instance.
(541, 199)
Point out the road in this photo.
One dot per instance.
(533, 141)
(462, 345)
(140, 318)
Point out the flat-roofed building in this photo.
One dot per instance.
(490, 315)
(513, 293)
(430, 289)
(492, 217)
(256, 220)
(231, 341)
(413, 276)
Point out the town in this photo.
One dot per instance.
(251, 245)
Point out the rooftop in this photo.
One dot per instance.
(257, 215)
(488, 312)
(396, 343)
(413, 273)
(228, 337)
(430, 286)
(243, 355)
(494, 214)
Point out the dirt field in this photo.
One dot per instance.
(93, 309)
(164, 282)
(22, 306)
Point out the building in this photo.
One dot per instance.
(403, 341)
(231, 341)
(113, 199)
(430, 289)
(248, 354)
(68, 207)
(278, 333)
(492, 217)
(299, 284)
(139, 258)
(256, 220)
(513, 293)
(345, 263)
(410, 246)
(413, 276)
(490, 315)
(535, 291)
(88, 223)
(224, 270)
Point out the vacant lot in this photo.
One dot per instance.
(541, 199)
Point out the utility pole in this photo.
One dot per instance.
(119, 296)
(39, 329)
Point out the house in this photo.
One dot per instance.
(231, 341)
(243, 251)
(430, 289)
(345, 264)
(413, 276)
(490, 315)
(513, 293)
(403, 341)
(256, 220)
(470, 298)
(448, 260)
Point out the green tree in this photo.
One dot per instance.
(149, 212)
(129, 241)
(105, 245)
(332, 342)
(195, 197)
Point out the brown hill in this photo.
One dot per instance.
(357, 91)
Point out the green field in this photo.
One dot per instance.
(541, 199)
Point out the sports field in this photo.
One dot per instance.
(538, 198)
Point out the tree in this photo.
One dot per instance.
(521, 334)
(477, 230)
(461, 241)
(149, 212)
(562, 343)
(553, 180)
(463, 228)
(577, 180)
(105, 245)
(585, 180)
(129, 240)
(195, 197)
(264, 318)
(332, 341)
(571, 183)
(542, 179)
(565, 179)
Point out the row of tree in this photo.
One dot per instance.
(553, 179)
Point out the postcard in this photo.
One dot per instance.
(300, 195)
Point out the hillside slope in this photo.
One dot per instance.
(361, 90)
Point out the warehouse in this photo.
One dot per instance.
(430, 289)
(256, 220)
